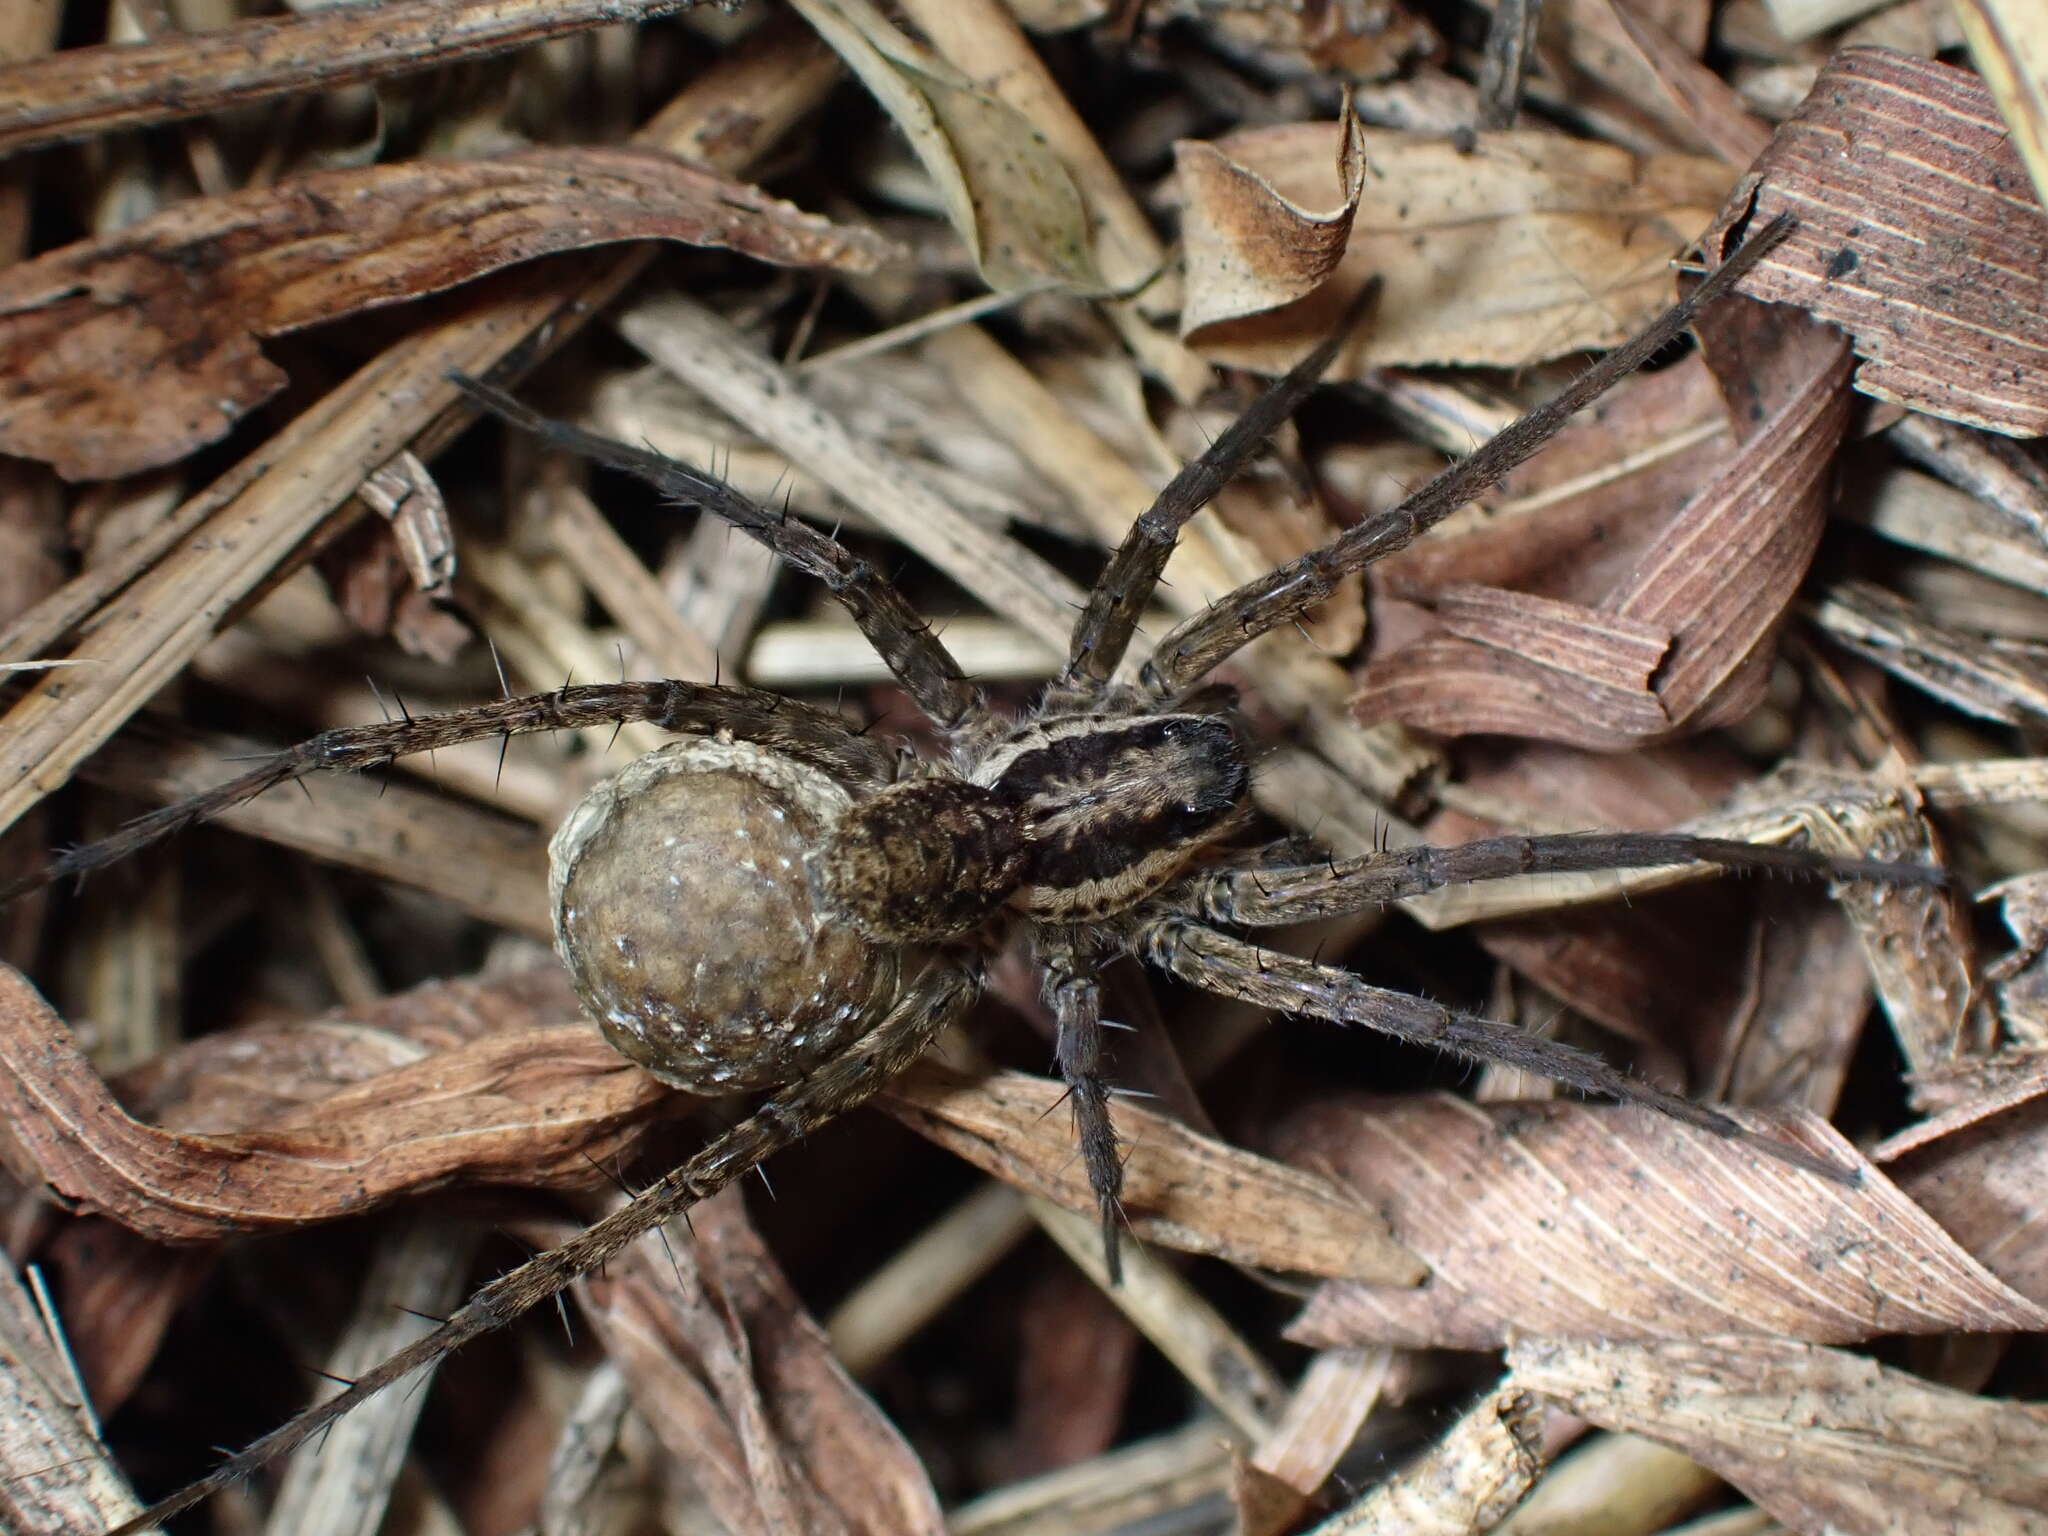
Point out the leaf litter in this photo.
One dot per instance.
(1731, 564)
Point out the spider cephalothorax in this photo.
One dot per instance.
(778, 901)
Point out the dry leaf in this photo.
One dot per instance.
(1181, 1189)
(741, 1385)
(1004, 189)
(1248, 248)
(1919, 235)
(1525, 247)
(529, 1101)
(1981, 1170)
(1584, 1221)
(1823, 1440)
(1680, 642)
(129, 352)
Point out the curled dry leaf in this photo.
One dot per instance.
(1525, 247)
(527, 1098)
(1823, 1440)
(1004, 188)
(1248, 247)
(742, 1388)
(1583, 1221)
(1919, 234)
(128, 352)
(1679, 642)
(1981, 1170)
(1181, 1189)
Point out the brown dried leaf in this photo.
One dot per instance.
(1582, 1221)
(129, 352)
(1919, 235)
(1525, 247)
(1981, 1170)
(742, 1387)
(1248, 247)
(1713, 585)
(529, 1101)
(1181, 1189)
(1823, 1440)
(1005, 190)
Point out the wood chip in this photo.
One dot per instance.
(1919, 234)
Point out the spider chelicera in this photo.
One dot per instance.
(777, 902)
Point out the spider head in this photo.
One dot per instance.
(686, 914)
(924, 861)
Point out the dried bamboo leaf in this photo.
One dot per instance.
(1525, 247)
(1005, 191)
(1580, 1221)
(741, 1385)
(1821, 1439)
(533, 1101)
(128, 353)
(1181, 1189)
(1919, 235)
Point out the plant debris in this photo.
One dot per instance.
(968, 281)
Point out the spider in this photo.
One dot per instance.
(1101, 823)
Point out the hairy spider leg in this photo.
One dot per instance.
(1271, 894)
(1103, 632)
(904, 641)
(867, 1066)
(1200, 644)
(1226, 966)
(802, 731)
(1075, 997)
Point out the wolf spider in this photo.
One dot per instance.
(1099, 824)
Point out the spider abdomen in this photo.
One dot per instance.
(1113, 807)
(685, 912)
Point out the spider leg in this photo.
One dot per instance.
(813, 735)
(1103, 632)
(1273, 894)
(1233, 967)
(788, 1115)
(904, 641)
(1076, 1001)
(1203, 642)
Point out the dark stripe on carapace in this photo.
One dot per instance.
(1102, 803)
